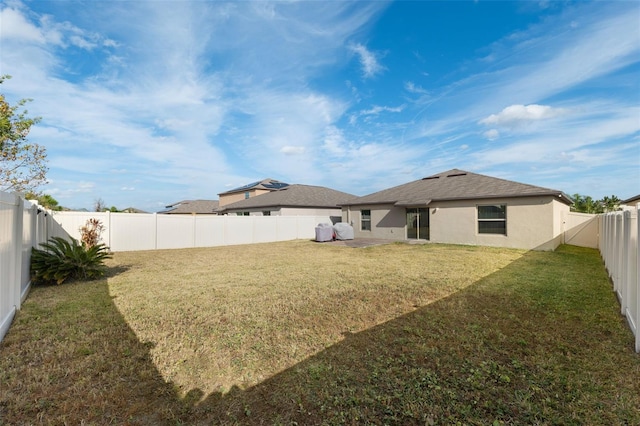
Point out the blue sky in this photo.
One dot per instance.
(145, 103)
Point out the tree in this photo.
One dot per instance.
(45, 200)
(99, 205)
(610, 204)
(22, 164)
(586, 204)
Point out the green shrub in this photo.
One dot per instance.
(61, 260)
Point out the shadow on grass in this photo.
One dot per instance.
(539, 342)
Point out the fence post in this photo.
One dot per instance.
(637, 283)
(193, 231)
(16, 264)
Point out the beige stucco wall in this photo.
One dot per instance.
(290, 211)
(225, 199)
(532, 222)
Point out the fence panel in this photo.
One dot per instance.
(134, 231)
(581, 229)
(210, 231)
(9, 207)
(175, 231)
(620, 234)
(71, 222)
(631, 268)
(130, 231)
(23, 225)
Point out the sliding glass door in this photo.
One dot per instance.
(418, 224)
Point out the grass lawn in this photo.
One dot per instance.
(307, 333)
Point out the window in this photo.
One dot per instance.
(266, 213)
(365, 220)
(246, 195)
(492, 219)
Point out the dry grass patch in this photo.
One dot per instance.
(233, 316)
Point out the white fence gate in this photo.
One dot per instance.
(619, 236)
(581, 229)
(23, 225)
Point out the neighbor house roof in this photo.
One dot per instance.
(192, 207)
(132, 210)
(455, 185)
(269, 184)
(294, 196)
(631, 201)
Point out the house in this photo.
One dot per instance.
(251, 190)
(192, 207)
(132, 210)
(292, 200)
(460, 207)
(633, 201)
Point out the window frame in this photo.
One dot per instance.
(365, 220)
(492, 220)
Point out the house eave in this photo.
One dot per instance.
(425, 202)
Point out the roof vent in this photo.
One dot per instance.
(431, 177)
(456, 174)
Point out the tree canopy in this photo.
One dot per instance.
(45, 200)
(22, 164)
(586, 204)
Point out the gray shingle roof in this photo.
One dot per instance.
(454, 185)
(192, 207)
(294, 196)
(631, 200)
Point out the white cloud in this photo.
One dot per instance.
(411, 87)
(292, 150)
(492, 134)
(16, 26)
(583, 139)
(368, 60)
(378, 109)
(516, 115)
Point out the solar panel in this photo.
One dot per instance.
(275, 185)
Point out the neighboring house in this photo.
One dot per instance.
(292, 200)
(132, 210)
(631, 201)
(460, 207)
(192, 207)
(251, 190)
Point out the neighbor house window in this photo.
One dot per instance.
(492, 219)
(365, 220)
(246, 195)
(266, 213)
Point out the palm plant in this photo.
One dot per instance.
(61, 260)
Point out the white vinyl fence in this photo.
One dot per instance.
(23, 225)
(139, 231)
(619, 236)
(581, 229)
